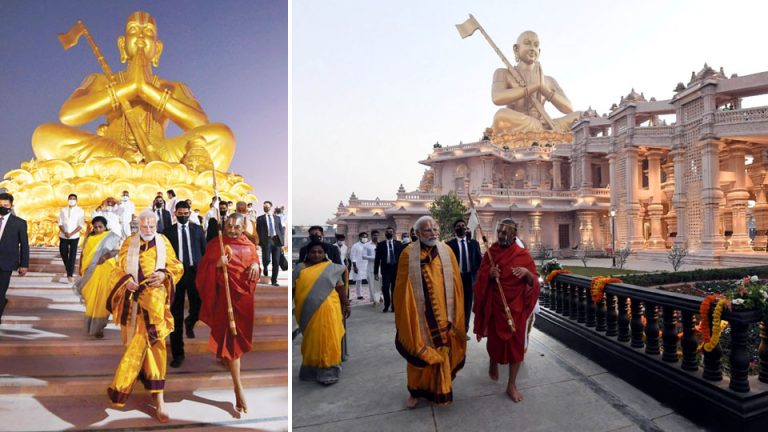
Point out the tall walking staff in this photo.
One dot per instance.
(230, 312)
(468, 27)
(70, 39)
(510, 321)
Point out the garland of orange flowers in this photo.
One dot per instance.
(704, 324)
(554, 273)
(717, 329)
(598, 286)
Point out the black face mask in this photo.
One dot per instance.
(388, 236)
(266, 209)
(223, 212)
(315, 237)
(460, 232)
(4, 211)
(158, 205)
(182, 219)
(414, 238)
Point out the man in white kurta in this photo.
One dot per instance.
(359, 263)
(370, 255)
(71, 222)
(112, 213)
(128, 209)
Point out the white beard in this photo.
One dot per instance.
(147, 237)
(430, 242)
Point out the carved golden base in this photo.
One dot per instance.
(40, 188)
(510, 139)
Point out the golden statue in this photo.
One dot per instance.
(524, 90)
(130, 152)
(150, 101)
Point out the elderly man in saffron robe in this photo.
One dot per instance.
(516, 270)
(143, 283)
(242, 263)
(429, 316)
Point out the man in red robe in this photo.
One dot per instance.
(242, 265)
(515, 269)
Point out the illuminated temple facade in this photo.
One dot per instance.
(690, 170)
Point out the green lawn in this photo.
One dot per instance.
(599, 271)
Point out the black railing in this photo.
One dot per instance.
(648, 336)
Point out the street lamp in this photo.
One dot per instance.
(613, 236)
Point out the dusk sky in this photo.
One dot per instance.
(232, 54)
(375, 84)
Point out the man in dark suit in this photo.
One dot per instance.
(387, 253)
(332, 251)
(468, 255)
(188, 242)
(213, 225)
(164, 220)
(14, 246)
(271, 239)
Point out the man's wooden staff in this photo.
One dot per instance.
(68, 40)
(230, 311)
(510, 321)
(468, 27)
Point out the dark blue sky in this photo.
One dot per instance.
(232, 54)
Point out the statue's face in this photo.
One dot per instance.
(141, 36)
(527, 47)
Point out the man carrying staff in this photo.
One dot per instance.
(143, 283)
(242, 272)
(429, 316)
(515, 269)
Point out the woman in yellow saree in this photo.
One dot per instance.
(96, 264)
(320, 290)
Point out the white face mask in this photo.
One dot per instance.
(147, 237)
(125, 198)
(111, 208)
(363, 240)
(72, 203)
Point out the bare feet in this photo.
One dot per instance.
(160, 413)
(240, 405)
(493, 371)
(411, 402)
(513, 394)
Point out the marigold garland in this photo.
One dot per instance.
(717, 329)
(554, 273)
(704, 316)
(598, 286)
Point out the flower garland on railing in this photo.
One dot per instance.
(598, 286)
(554, 273)
(711, 338)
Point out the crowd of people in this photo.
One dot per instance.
(433, 288)
(142, 268)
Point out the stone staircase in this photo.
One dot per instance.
(44, 352)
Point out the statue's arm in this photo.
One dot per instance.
(93, 99)
(559, 100)
(176, 101)
(503, 93)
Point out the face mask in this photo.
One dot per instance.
(406, 240)
(4, 211)
(340, 242)
(125, 198)
(158, 205)
(147, 237)
(314, 237)
(223, 212)
(182, 219)
(414, 238)
(111, 208)
(72, 203)
(460, 232)
(364, 240)
(388, 236)
(266, 209)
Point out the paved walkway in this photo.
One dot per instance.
(564, 391)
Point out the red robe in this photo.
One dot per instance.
(490, 319)
(213, 308)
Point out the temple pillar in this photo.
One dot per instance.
(586, 171)
(486, 223)
(634, 216)
(556, 174)
(402, 225)
(438, 180)
(654, 173)
(487, 162)
(534, 169)
(655, 211)
(679, 200)
(712, 241)
(535, 240)
(737, 200)
(586, 230)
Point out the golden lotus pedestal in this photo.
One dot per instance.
(512, 139)
(40, 188)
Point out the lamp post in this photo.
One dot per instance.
(613, 236)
